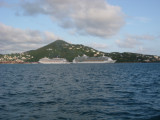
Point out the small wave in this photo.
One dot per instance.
(46, 103)
(35, 104)
(92, 112)
(94, 101)
(154, 118)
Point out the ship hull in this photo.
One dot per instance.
(86, 59)
(52, 63)
(85, 62)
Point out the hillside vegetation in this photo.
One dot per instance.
(62, 49)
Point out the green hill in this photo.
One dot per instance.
(62, 49)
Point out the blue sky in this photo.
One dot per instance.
(106, 25)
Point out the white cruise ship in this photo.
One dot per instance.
(53, 61)
(86, 59)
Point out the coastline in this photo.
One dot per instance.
(72, 62)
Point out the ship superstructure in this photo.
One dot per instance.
(86, 59)
(53, 61)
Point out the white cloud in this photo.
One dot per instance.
(49, 36)
(142, 19)
(3, 3)
(147, 50)
(98, 45)
(96, 17)
(14, 39)
(132, 41)
(142, 37)
(127, 43)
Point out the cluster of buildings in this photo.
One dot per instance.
(96, 53)
(152, 59)
(15, 58)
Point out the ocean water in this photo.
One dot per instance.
(80, 91)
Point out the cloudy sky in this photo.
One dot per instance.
(106, 25)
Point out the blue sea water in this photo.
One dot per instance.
(128, 91)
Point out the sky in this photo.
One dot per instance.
(106, 25)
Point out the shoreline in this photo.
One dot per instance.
(71, 63)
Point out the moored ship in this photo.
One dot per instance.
(86, 59)
(53, 61)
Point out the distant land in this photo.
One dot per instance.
(62, 49)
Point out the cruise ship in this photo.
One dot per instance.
(53, 61)
(86, 59)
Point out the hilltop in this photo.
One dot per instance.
(69, 51)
